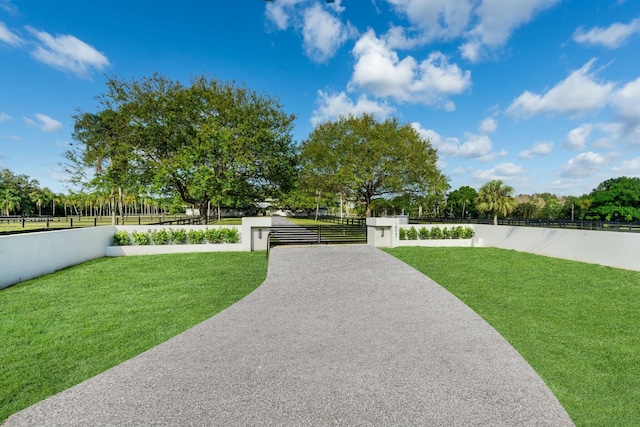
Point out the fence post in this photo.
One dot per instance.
(70, 222)
(95, 221)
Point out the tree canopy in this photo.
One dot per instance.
(208, 141)
(616, 199)
(495, 198)
(365, 158)
(462, 202)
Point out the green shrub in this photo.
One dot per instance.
(402, 233)
(412, 234)
(467, 233)
(231, 235)
(160, 237)
(446, 233)
(195, 237)
(140, 238)
(423, 233)
(436, 233)
(121, 238)
(178, 236)
(214, 235)
(456, 232)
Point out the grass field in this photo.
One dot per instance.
(90, 221)
(578, 325)
(63, 328)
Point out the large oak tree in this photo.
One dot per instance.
(207, 141)
(365, 158)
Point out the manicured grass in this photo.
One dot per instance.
(578, 325)
(63, 328)
(90, 221)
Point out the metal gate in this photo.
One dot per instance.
(316, 234)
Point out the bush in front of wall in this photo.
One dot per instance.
(195, 237)
(467, 233)
(231, 235)
(423, 233)
(160, 237)
(412, 234)
(140, 238)
(402, 233)
(178, 236)
(121, 238)
(436, 233)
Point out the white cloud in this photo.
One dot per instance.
(8, 37)
(434, 19)
(68, 53)
(333, 106)
(381, 72)
(577, 138)
(612, 36)
(629, 167)
(323, 33)
(281, 12)
(488, 125)
(478, 147)
(501, 171)
(44, 123)
(577, 95)
(8, 7)
(626, 105)
(584, 164)
(4, 117)
(538, 149)
(497, 19)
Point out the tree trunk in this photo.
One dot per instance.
(112, 203)
(120, 206)
(495, 219)
(202, 207)
(318, 193)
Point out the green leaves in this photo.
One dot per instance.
(207, 141)
(364, 158)
(495, 198)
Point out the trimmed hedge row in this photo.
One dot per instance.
(178, 236)
(436, 233)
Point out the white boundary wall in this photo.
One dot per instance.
(610, 248)
(614, 249)
(30, 255)
(25, 256)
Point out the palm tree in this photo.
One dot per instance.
(495, 198)
(9, 201)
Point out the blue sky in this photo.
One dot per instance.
(543, 94)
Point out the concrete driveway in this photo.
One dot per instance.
(336, 335)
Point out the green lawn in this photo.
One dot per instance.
(90, 221)
(577, 324)
(63, 328)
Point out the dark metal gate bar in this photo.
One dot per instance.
(316, 234)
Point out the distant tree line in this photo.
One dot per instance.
(155, 145)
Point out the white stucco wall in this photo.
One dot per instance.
(614, 249)
(25, 256)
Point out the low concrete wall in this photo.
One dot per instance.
(25, 256)
(614, 249)
(113, 251)
(440, 243)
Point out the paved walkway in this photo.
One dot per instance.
(336, 335)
